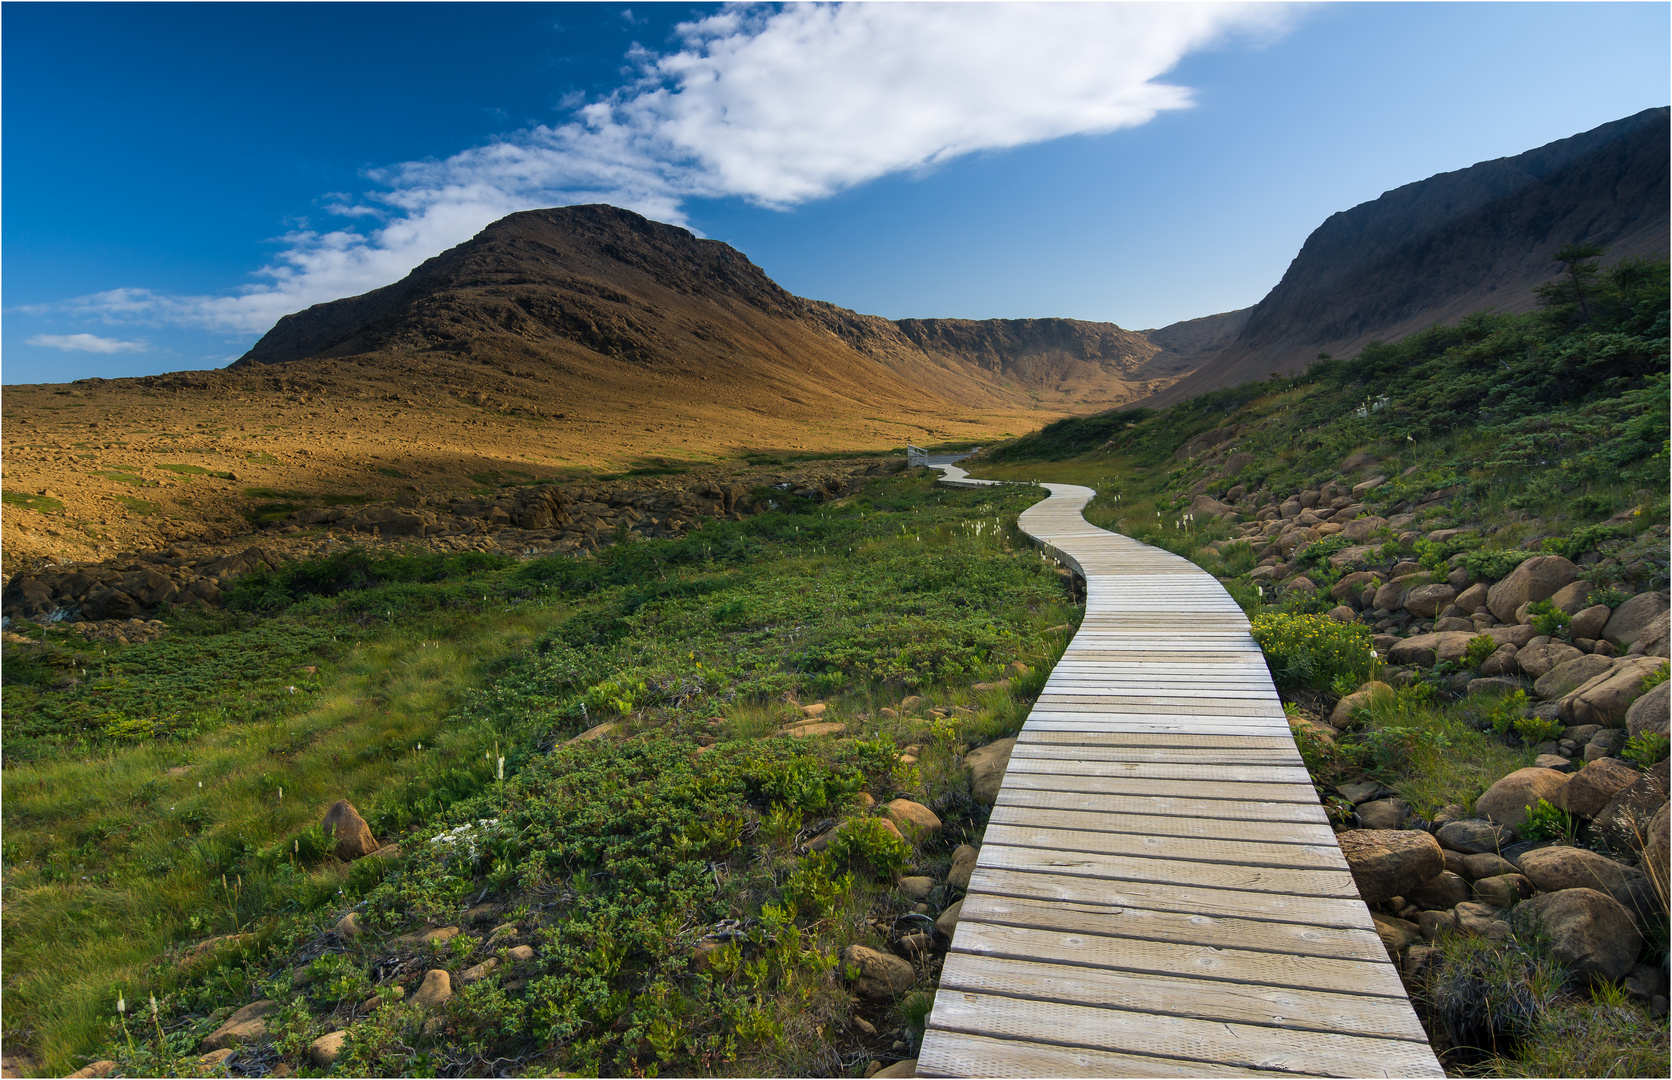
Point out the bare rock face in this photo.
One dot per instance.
(986, 767)
(1390, 862)
(1538, 578)
(1507, 801)
(1632, 618)
(876, 975)
(354, 836)
(1650, 712)
(1590, 932)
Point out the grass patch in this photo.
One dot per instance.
(194, 470)
(45, 504)
(261, 457)
(133, 505)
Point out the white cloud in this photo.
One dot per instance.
(779, 106)
(86, 343)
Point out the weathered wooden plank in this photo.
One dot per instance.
(1214, 1042)
(1148, 924)
(1179, 789)
(1192, 805)
(1203, 828)
(1210, 773)
(1247, 1003)
(1188, 848)
(1210, 875)
(1153, 755)
(956, 1053)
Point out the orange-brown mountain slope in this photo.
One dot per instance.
(555, 342)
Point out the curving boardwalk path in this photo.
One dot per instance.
(1159, 892)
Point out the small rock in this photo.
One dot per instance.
(96, 1069)
(948, 921)
(594, 733)
(814, 710)
(1359, 791)
(1646, 982)
(1441, 893)
(986, 767)
(348, 927)
(520, 953)
(1562, 868)
(907, 1067)
(916, 944)
(1396, 934)
(1472, 835)
(1503, 890)
(912, 818)
(246, 1025)
(1605, 743)
(1552, 761)
(214, 1057)
(324, 1051)
(1342, 714)
(814, 730)
(963, 865)
(1420, 961)
(354, 836)
(1632, 618)
(1590, 932)
(1486, 864)
(1390, 862)
(472, 974)
(916, 887)
(1435, 923)
(1483, 920)
(436, 989)
(875, 974)
(1383, 814)
(1649, 713)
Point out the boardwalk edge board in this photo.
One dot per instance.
(1160, 893)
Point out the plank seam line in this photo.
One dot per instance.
(1035, 1040)
(1125, 832)
(1178, 858)
(1115, 881)
(1309, 920)
(1035, 924)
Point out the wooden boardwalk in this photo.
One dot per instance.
(1159, 892)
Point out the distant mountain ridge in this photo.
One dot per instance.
(604, 281)
(1435, 250)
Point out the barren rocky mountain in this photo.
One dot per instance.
(1433, 251)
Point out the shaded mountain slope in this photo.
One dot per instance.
(1433, 251)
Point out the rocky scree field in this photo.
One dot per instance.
(693, 804)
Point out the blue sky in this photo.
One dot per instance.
(179, 176)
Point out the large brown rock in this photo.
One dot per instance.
(1572, 597)
(1625, 823)
(1390, 862)
(963, 865)
(1569, 675)
(435, 990)
(1649, 713)
(1355, 583)
(1472, 836)
(1425, 650)
(1588, 622)
(1506, 801)
(1426, 601)
(1656, 638)
(1554, 869)
(986, 767)
(1538, 578)
(1518, 636)
(1606, 698)
(1633, 617)
(1655, 856)
(876, 975)
(354, 836)
(912, 818)
(1594, 787)
(1590, 932)
(1360, 698)
(248, 1024)
(1536, 661)
(1443, 893)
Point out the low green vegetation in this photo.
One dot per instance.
(200, 766)
(45, 504)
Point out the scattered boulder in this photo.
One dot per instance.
(1486, 864)
(597, 731)
(1655, 857)
(1626, 823)
(1606, 698)
(963, 865)
(1358, 699)
(815, 729)
(520, 953)
(1503, 890)
(1397, 934)
(1472, 836)
(1443, 892)
(1649, 713)
(1538, 578)
(876, 975)
(986, 767)
(436, 989)
(908, 1067)
(354, 836)
(912, 818)
(477, 972)
(1558, 868)
(348, 927)
(916, 886)
(324, 1051)
(1507, 801)
(1590, 932)
(1594, 787)
(948, 920)
(1536, 661)
(1427, 601)
(1383, 814)
(1632, 618)
(1519, 636)
(1483, 920)
(1390, 862)
(1568, 675)
(246, 1025)
(1589, 622)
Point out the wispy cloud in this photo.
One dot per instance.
(91, 343)
(778, 106)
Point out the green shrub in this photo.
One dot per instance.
(1479, 649)
(1485, 565)
(1489, 997)
(1536, 729)
(1656, 677)
(870, 842)
(1607, 595)
(1646, 749)
(1312, 651)
(1548, 619)
(1583, 540)
(1546, 822)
